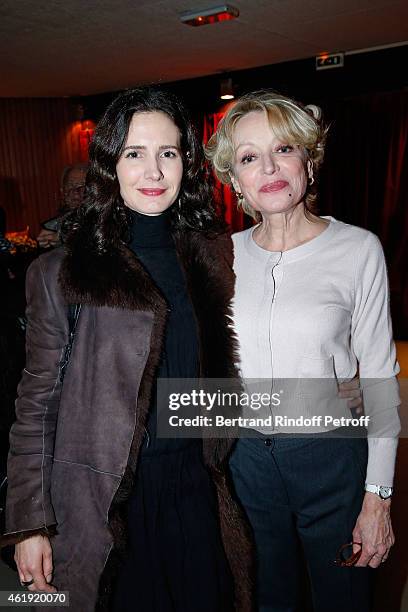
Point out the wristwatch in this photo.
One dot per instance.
(380, 490)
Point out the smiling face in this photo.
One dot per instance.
(271, 174)
(150, 167)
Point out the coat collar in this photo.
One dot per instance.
(117, 279)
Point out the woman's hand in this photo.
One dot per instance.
(350, 390)
(34, 562)
(374, 530)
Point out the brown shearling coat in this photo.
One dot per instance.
(73, 448)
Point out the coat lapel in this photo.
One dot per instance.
(208, 268)
(116, 279)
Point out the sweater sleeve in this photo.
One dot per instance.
(29, 508)
(374, 348)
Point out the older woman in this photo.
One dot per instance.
(311, 302)
(98, 504)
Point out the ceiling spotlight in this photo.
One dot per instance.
(214, 14)
(226, 90)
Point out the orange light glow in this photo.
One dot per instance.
(209, 19)
(80, 135)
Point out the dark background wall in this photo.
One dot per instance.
(38, 138)
(364, 180)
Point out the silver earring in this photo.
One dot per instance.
(311, 180)
(179, 209)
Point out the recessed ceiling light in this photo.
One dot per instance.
(214, 14)
(226, 89)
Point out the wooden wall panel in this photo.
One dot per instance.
(38, 138)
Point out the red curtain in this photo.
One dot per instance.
(225, 196)
(38, 138)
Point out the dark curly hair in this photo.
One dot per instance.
(103, 214)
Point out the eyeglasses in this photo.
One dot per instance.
(74, 188)
(346, 557)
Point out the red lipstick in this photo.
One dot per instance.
(272, 187)
(152, 191)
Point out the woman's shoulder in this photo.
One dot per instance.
(220, 245)
(47, 264)
(42, 280)
(353, 235)
(205, 246)
(239, 238)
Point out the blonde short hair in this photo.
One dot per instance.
(292, 123)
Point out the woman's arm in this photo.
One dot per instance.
(373, 345)
(374, 348)
(29, 508)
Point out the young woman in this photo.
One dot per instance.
(97, 503)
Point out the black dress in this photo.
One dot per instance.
(175, 561)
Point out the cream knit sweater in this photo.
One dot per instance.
(321, 311)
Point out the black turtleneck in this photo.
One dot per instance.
(152, 242)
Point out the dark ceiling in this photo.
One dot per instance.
(77, 47)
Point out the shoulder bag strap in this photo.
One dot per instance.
(73, 316)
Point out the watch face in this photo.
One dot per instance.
(385, 492)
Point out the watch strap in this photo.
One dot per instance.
(384, 492)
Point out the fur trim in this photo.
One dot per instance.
(211, 284)
(237, 540)
(116, 279)
(210, 281)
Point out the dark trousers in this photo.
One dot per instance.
(303, 492)
(175, 561)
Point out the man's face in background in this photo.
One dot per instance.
(73, 187)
